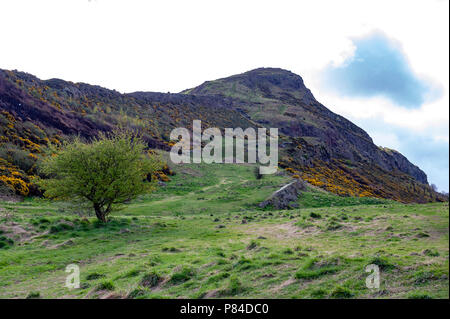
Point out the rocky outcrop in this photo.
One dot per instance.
(397, 161)
(286, 196)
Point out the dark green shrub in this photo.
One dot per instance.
(34, 295)
(105, 285)
(5, 242)
(60, 227)
(315, 215)
(44, 220)
(94, 276)
(333, 225)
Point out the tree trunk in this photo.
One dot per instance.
(99, 213)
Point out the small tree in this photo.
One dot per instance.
(110, 170)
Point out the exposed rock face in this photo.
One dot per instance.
(396, 160)
(286, 196)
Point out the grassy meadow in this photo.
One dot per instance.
(202, 235)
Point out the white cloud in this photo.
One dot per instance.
(431, 118)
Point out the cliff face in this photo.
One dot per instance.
(395, 160)
(324, 148)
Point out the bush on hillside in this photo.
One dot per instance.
(110, 170)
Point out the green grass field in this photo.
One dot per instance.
(203, 236)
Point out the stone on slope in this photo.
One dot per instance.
(286, 196)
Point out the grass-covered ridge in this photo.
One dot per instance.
(202, 236)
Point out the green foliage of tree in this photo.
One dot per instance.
(106, 172)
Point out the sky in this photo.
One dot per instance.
(382, 64)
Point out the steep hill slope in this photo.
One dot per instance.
(324, 148)
(279, 98)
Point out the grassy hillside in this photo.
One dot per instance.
(203, 236)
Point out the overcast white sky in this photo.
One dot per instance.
(173, 45)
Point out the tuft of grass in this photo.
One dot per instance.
(422, 235)
(94, 276)
(340, 292)
(333, 224)
(170, 249)
(6, 242)
(131, 273)
(234, 287)
(41, 221)
(243, 264)
(105, 285)
(313, 269)
(218, 277)
(184, 274)
(253, 244)
(319, 293)
(382, 262)
(33, 295)
(150, 280)
(315, 215)
(419, 295)
(60, 227)
(138, 293)
(303, 224)
(287, 251)
(423, 277)
(431, 253)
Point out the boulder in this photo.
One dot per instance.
(286, 196)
